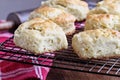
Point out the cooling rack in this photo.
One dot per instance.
(65, 59)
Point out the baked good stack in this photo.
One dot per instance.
(47, 27)
(105, 15)
(101, 38)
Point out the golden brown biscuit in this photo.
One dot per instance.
(60, 17)
(107, 7)
(98, 44)
(40, 36)
(76, 7)
(96, 21)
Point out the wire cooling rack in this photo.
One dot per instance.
(65, 59)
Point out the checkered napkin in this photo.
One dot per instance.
(18, 71)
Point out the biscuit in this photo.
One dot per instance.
(60, 17)
(39, 36)
(96, 21)
(77, 8)
(106, 7)
(97, 44)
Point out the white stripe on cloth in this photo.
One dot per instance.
(6, 57)
(15, 72)
(37, 69)
(38, 72)
(1, 61)
(6, 35)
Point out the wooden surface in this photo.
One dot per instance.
(58, 74)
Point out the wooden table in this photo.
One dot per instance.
(58, 74)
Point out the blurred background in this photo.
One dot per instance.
(8, 6)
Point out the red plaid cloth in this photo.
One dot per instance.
(17, 71)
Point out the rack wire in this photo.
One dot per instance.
(64, 59)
